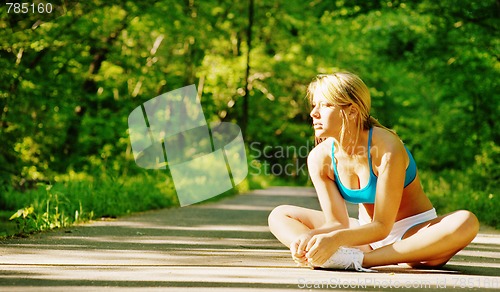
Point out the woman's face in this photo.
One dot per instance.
(327, 119)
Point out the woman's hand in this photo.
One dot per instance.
(321, 247)
(298, 249)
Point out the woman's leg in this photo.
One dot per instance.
(289, 222)
(429, 244)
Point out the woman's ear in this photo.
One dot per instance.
(353, 112)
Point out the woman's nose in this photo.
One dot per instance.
(314, 112)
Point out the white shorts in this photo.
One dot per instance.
(400, 227)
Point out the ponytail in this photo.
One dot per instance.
(373, 122)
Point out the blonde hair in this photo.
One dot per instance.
(344, 89)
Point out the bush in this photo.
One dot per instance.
(475, 189)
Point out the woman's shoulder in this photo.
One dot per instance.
(320, 157)
(385, 142)
(385, 138)
(322, 150)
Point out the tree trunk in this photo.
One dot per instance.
(244, 125)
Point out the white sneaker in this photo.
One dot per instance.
(346, 258)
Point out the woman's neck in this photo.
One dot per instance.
(352, 146)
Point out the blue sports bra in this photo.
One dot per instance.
(367, 194)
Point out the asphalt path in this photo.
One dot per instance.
(220, 246)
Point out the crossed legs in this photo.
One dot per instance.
(289, 222)
(428, 244)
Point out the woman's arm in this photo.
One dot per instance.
(319, 163)
(390, 184)
(391, 158)
(331, 202)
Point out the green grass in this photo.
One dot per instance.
(7, 227)
(476, 188)
(79, 198)
(452, 190)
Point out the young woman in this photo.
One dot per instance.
(360, 161)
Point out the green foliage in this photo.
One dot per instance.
(475, 189)
(68, 85)
(80, 197)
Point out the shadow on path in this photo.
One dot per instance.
(214, 245)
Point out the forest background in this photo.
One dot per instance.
(70, 78)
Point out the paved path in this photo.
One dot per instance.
(223, 246)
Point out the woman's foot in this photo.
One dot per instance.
(346, 258)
